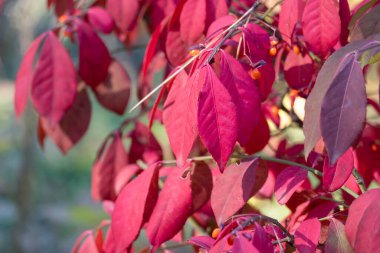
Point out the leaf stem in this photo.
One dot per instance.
(359, 180)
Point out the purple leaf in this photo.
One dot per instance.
(307, 235)
(336, 238)
(287, 182)
(100, 19)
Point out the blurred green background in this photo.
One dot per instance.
(45, 199)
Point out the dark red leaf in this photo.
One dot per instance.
(94, 58)
(336, 238)
(336, 176)
(178, 199)
(287, 182)
(262, 240)
(114, 93)
(133, 207)
(307, 235)
(100, 19)
(344, 109)
(298, 70)
(217, 117)
(244, 93)
(192, 28)
(290, 16)
(233, 189)
(321, 25)
(124, 13)
(54, 84)
(259, 137)
(72, 126)
(215, 9)
(345, 18)
(362, 228)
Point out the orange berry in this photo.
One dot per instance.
(62, 19)
(231, 240)
(296, 49)
(274, 110)
(255, 74)
(273, 41)
(194, 52)
(215, 233)
(293, 93)
(273, 51)
(67, 33)
(374, 147)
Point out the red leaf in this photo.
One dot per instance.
(259, 137)
(344, 109)
(215, 9)
(336, 176)
(114, 93)
(54, 84)
(261, 240)
(94, 58)
(287, 182)
(242, 245)
(298, 70)
(180, 114)
(108, 165)
(217, 117)
(233, 189)
(89, 245)
(192, 28)
(345, 18)
(205, 242)
(307, 235)
(290, 16)
(72, 126)
(133, 207)
(336, 238)
(178, 199)
(124, 13)
(25, 75)
(219, 25)
(100, 19)
(362, 226)
(244, 93)
(80, 239)
(321, 25)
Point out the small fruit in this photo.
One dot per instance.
(273, 51)
(62, 19)
(296, 49)
(194, 52)
(215, 233)
(255, 74)
(231, 240)
(293, 93)
(274, 110)
(374, 147)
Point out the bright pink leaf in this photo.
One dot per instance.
(298, 70)
(321, 25)
(344, 109)
(133, 207)
(307, 235)
(94, 58)
(114, 93)
(192, 28)
(217, 117)
(242, 245)
(336, 238)
(219, 25)
(233, 188)
(287, 182)
(336, 176)
(25, 75)
(124, 13)
(72, 126)
(100, 19)
(244, 93)
(180, 114)
(362, 227)
(290, 16)
(54, 84)
(178, 199)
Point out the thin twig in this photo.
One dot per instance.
(359, 180)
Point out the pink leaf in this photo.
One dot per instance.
(344, 109)
(124, 13)
(192, 28)
(259, 137)
(290, 16)
(178, 199)
(336, 238)
(133, 207)
(72, 126)
(217, 117)
(262, 240)
(233, 188)
(287, 182)
(215, 9)
(336, 176)
(362, 228)
(54, 84)
(244, 93)
(180, 114)
(242, 245)
(114, 93)
(100, 19)
(205, 242)
(94, 58)
(219, 25)
(298, 70)
(25, 75)
(307, 235)
(321, 25)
